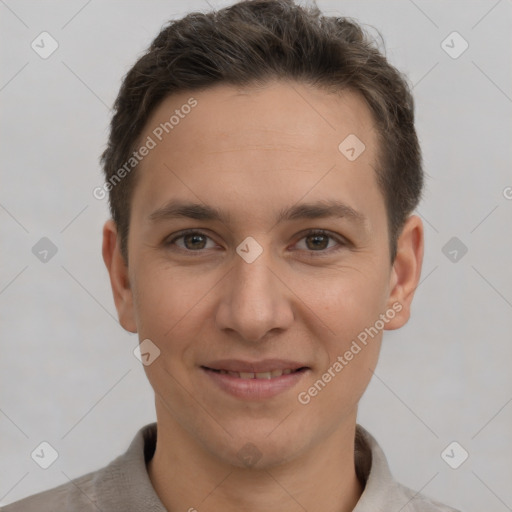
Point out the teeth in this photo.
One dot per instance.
(260, 375)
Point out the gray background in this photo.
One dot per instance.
(67, 372)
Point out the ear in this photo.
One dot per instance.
(119, 279)
(406, 271)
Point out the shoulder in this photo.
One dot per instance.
(121, 485)
(382, 491)
(420, 503)
(76, 495)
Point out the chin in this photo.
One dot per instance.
(259, 448)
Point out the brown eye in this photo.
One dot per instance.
(192, 241)
(320, 241)
(317, 241)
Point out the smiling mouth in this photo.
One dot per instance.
(260, 375)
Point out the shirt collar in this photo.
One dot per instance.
(126, 481)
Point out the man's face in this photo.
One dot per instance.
(209, 304)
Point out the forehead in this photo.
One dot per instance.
(278, 139)
(283, 110)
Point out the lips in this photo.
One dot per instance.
(257, 380)
(259, 375)
(264, 369)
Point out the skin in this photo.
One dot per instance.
(252, 152)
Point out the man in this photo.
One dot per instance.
(262, 169)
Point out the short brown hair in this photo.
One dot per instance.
(253, 42)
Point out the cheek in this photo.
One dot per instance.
(340, 387)
(168, 308)
(351, 353)
(351, 308)
(348, 302)
(163, 296)
(159, 303)
(173, 306)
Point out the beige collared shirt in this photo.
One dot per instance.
(124, 485)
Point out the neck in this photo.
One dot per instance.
(187, 477)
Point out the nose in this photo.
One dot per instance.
(255, 301)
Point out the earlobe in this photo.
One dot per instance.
(406, 271)
(119, 279)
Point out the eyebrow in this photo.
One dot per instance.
(320, 209)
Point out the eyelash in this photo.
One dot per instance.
(323, 252)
